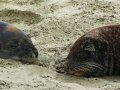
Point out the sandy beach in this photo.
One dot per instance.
(54, 25)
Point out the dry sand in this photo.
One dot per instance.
(54, 25)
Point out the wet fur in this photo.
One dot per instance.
(97, 53)
(15, 43)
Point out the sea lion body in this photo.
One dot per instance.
(15, 43)
(97, 53)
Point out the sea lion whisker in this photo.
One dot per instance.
(82, 68)
(94, 65)
(85, 68)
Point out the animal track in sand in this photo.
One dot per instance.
(28, 17)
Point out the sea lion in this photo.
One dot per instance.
(96, 53)
(14, 43)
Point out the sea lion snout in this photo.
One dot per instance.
(69, 67)
(83, 68)
(74, 67)
(35, 52)
(27, 49)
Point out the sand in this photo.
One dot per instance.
(54, 25)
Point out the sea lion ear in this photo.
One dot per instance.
(90, 47)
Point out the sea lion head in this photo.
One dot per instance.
(15, 43)
(25, 48)
(86, 57)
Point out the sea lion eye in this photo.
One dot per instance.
(90, 47)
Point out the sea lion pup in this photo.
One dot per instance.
(97, 53)
(14, 43)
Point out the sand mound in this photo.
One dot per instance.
(16, 15)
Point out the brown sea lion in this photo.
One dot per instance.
(97, 53)
(15, 43)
